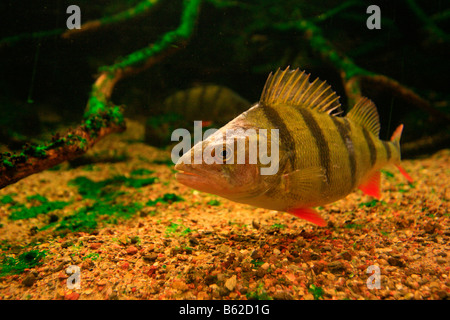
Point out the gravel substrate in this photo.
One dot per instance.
(206, 247)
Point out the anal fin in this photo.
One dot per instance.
(371, 186)
(308, 214)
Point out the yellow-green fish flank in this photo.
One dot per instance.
(322, 155)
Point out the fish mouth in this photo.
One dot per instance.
(197, 178)
(186, 173)
(182, 173)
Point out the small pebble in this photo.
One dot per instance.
(72, 296)
(150, 257)
(95, 246)
(29, 280)
(395, 262)
(346, 256)
(336, 266)
(230, 284)
(132, 250)
(178, 251)
(193, 241)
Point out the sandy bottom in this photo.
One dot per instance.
(206, 247)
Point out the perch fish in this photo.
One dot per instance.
(217, 105)
(323, 156)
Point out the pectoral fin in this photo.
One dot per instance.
(308, 214)
(304, 180)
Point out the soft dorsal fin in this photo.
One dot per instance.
(292, 87)
(365, 113)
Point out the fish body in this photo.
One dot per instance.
(322, 156)
(217, 105)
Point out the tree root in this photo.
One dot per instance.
(353, 76)
(101, 117)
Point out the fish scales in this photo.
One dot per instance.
(344, 130)
(311, 151)
(322, 156)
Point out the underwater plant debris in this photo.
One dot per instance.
(81, 186)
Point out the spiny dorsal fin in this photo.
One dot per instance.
(365, 113)
(292, 87)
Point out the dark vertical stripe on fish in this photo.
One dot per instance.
(201, 99)
(321, 142)
(285, 135)
(351, 150)
(372, 149)
(344, 131)
(387, 149)
(217, 93)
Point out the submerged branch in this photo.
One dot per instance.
(352, 75)
(140, 8)
(101, 117)
(436, 33)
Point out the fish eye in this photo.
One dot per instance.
(225, 154)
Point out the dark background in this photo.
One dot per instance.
(46, 80)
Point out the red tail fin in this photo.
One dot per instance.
(396, 140)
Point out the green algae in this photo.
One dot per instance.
(104, 189)
(371, 204)
(167, 162)
(38, 204)
(257, 263)
(6, 199)
(387, 173)
(79, 221)
(278, 226)
(141, 172)
(353, 226)
(213, 202)
(139, 8)
(93, 256)
(10, 265)
(259, 294)
(7, 163)
(87, 218)
(324, 48)
(177, 229)
(106, 208)
(316, 291)
(189, 16)
(167, 198)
